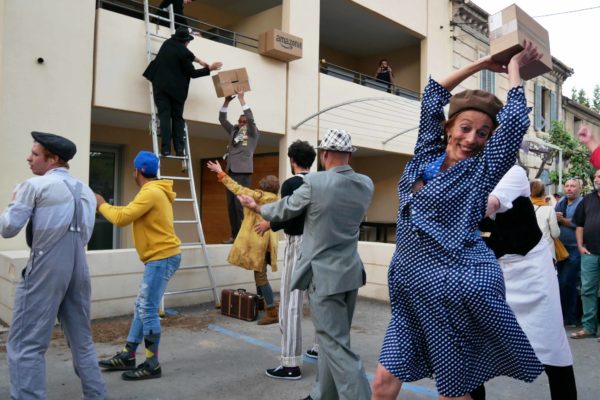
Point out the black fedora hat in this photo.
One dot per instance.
(182, 34)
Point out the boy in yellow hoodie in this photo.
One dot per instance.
(151, 213)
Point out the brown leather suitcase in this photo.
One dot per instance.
(238, 303)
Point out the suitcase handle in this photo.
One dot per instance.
(241, 290)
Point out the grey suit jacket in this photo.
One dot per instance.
(335, 202)
(240, 157)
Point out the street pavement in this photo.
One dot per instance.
(223, 358)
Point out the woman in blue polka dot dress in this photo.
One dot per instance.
(450, 320)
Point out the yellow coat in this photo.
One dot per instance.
(249, 248)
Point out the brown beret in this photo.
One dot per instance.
(55, 144)
(478, 100)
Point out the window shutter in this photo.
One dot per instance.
(537, 107)
(553, 107)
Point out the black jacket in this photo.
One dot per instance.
(173, 68)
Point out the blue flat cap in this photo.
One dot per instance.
(55, 144)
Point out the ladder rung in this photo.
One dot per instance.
(191, 267)
(186, 221)
(185, 200)
(190, 244)
(175, 157)
(188, 291)
(159, 17)
(175, 178)
(157, 36)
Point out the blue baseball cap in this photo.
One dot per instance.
(146, 162)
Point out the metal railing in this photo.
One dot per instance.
(135, 9)
(366, 80)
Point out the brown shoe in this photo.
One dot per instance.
(270, 317)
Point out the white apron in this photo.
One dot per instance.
(532, 293)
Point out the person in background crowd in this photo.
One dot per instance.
(243, 138)
(568, 270)
(59, 212)
(301, 155)
(587, 219)
(586, 137)
(334, 202)
(512, 231)
(546, 217)
(157, 245)
(385, 73)
(250, 249)
(450, 318)
(170, 73)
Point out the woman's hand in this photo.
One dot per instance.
(214, 166)
(262, 227)
(529, 54)
(488, 62)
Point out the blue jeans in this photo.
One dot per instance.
(145, 316)
(590, 280)
(568, 272)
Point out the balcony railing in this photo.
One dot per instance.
(135, 9)
(366, 80)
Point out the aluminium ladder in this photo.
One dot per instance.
(151, 38)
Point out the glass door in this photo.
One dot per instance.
(104, 175)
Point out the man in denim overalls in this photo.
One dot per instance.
(56, 281)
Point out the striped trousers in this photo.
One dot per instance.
(290, 307)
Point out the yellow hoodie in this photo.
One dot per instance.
(151, 213)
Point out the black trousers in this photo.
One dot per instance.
(561, 381)
(170, 115)
(234, 207)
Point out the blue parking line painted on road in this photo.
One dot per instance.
(276, 349)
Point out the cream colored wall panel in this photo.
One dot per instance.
(259, 23)
(408, 13)
(53, 96)
(121, 60)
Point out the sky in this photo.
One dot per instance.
(574, 36)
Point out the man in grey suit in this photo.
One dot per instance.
(329, 267)
(243, 138)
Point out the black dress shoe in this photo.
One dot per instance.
(307, 398)
(179, 153)
(165, 153)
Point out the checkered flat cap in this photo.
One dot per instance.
(337, 140)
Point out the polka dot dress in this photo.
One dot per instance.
(450, 320)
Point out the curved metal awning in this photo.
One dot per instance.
(379, 120)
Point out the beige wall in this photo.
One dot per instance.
(410, 14)
(259, 23)
(121, 59)
(436, 47)
(54, 96)
(333, 56)
(385, 171)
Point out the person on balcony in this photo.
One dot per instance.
(250, 249)
(385, 74)
(450, 319)
(243, 138)
(59, 212)
(157, 245)
(170, 73)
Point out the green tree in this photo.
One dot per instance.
(582, 98)
(596, 98)
(574, 93)
(575, 155)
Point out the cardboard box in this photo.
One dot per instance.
(280, 45)
(508, 29)
(226, 82)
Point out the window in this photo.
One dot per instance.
(487, 79)
(545, 108)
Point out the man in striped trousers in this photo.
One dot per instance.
(302, 156)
